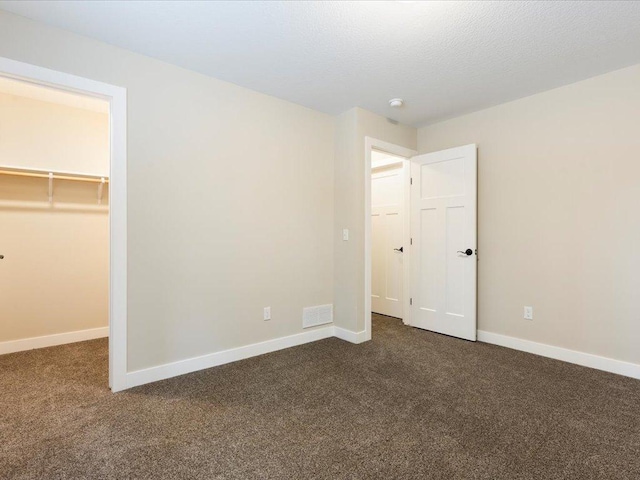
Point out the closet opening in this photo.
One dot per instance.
(62, 245)
(54, 212)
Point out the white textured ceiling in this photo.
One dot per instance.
(443, 58)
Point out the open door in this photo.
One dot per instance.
(387, 230)
(443, 241)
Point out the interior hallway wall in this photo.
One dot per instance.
(557, 210)
(230, 199)
(55, 275)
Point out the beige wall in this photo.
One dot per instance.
(351, 129)
(558, 214)
(230, 199)
(54, 278)
(43, 135)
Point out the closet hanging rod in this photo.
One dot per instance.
(56, 176)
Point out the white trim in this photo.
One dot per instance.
(23, 344)
(349, 336)
(117, 97)
(572, 356)
(406, 255)
(387, 163)
(369, 144)
(181, 367)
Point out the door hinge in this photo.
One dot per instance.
(411, 301)
(411, 181)
(411, 241)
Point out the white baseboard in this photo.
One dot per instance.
(181, 367)
(13, 346)
(572, 356)
(350, 336)
(161, 372)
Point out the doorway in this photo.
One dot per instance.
(111, 181)
(438, 251)
(54, 212)
(394, 155)
(387, 232)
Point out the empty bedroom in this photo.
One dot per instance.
(319, 239)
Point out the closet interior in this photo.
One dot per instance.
(54, 216)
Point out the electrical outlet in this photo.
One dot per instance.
(267, 313)
(528, 313)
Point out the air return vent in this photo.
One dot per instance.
(312, 316)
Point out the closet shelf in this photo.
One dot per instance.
(51, 176)
(80, 177)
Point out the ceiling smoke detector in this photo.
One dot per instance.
(396, 102)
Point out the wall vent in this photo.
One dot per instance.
(319, 315)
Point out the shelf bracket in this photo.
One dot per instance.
(50, 187)
(100, 189)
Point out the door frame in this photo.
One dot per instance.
(117, 98)
(370, 144)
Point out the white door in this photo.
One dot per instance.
(443, 241)
(387, 195)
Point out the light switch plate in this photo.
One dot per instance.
(345, 234)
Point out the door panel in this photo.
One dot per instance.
(443, 224)
(377, 256)
(428, 284)
(394, 229)
(454, 281)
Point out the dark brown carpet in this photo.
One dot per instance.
(410, 404)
